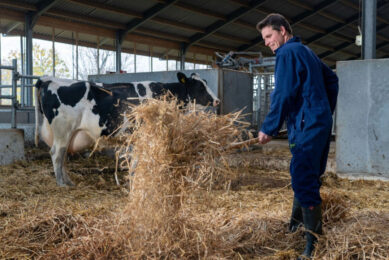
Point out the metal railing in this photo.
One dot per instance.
(13, 97)
(263, 85)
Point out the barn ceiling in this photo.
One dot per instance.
(162, 27)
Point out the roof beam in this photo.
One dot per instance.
(92, 22)
(85, 19)
(356, 7)
(333, 17)
(319, 7)
(336, 49)
(42, 7)
(177, 25)
(346, 45)
(101, 31)
(164, 21)
(212, 14)
(201, 11)
(332, 49)
(295, 21)
(219, 24)
(150, 13)
(106, 7)
(341, 47)
(116, 25)
(11, 27)
(102, 22)
(18, 4)
(333, 29)
(348, 21)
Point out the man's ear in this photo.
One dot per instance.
(181, 77)
(282, 30)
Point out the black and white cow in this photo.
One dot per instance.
(77, 113)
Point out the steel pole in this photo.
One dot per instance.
(369, 17)
(118, 52)
(14, 92)
(29, 64)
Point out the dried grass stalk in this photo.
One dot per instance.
(177, 153)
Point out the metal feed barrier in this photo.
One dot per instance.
(13, 97)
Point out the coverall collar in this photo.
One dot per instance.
(293, 39)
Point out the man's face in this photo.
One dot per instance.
(273, 39)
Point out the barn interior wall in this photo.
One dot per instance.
(362, 141)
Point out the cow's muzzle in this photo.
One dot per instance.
(216, 102)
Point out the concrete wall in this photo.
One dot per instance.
(25, 120)
(11, 145)
(362, 125)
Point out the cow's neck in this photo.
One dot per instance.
(179, 90)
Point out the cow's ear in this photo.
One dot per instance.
(181, 77)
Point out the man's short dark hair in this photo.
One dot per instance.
(275, 21)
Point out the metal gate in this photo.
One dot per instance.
(263, 85)
(15, 104)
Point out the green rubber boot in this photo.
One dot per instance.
(313, 227)
(296, 219)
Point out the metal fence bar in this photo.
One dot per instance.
(10, 86)
(14, 93)
(27, 77)
(8, 109)
(29, 85)
(6, 67)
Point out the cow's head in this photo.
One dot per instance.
(198, 89)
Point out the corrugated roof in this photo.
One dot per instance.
(328, 27)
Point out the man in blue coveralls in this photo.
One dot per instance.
(305, 96)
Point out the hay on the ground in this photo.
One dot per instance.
(184, 202)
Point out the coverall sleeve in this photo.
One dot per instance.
(331, 84)
(286, 83)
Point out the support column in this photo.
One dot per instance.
(118, 52)
(98, 55)
(76, 55)
(134, 57)
(1, 91)
(369, 17)
(182, 56)
(23, 66)
(151, 57)
(53, 48)
(29, 65)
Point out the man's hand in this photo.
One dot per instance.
(264, 138)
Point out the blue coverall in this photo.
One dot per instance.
(305, 95)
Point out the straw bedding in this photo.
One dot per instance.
(182, 201)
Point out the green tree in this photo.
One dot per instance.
(43, 62)
(42, 65)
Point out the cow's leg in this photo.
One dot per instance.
(65, 175)
(58, 156)
(134, 162)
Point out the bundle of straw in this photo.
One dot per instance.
(177, 153)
